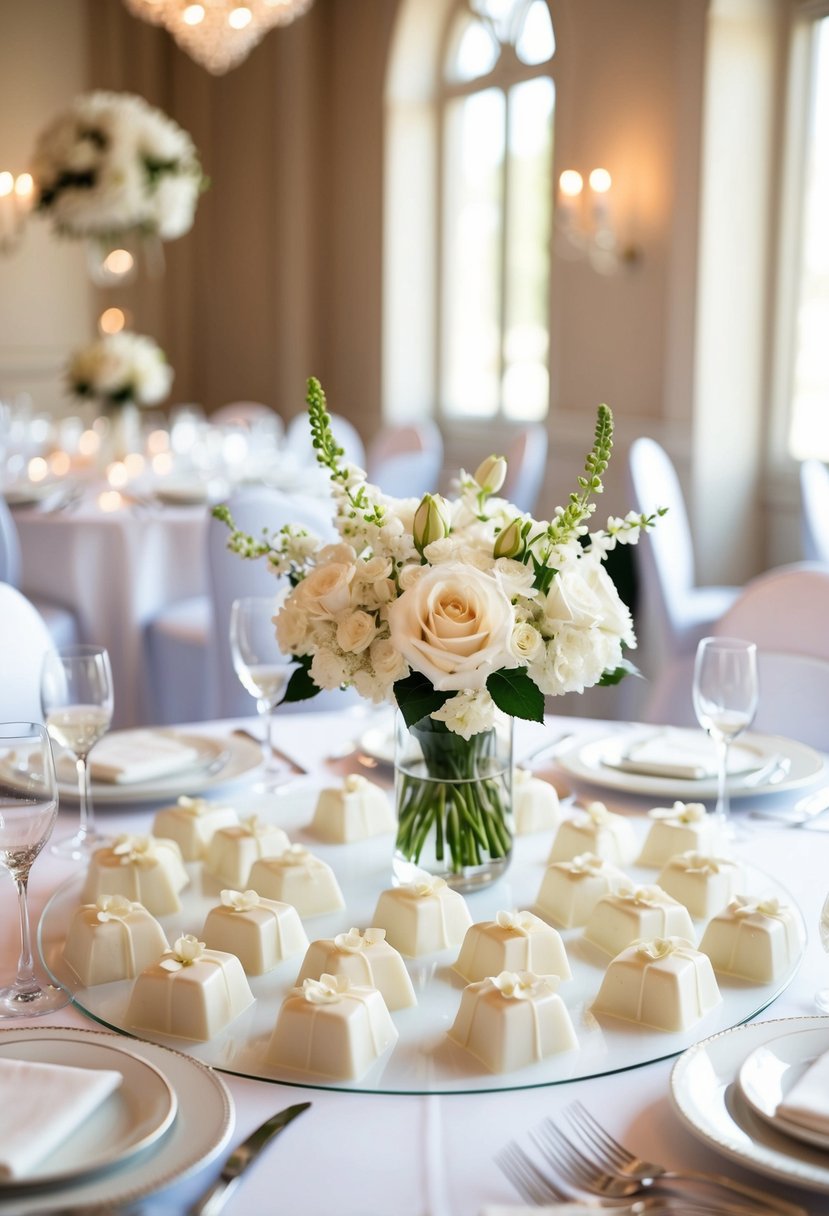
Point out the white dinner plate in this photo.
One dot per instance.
(592, 761)
(220, 760)
(424, 1060)
(33, 493)
(706, 1093)
(770, 1071)
(201, 1129)
(378, 743)
(132, 1118)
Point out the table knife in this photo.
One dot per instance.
(277, 752)
(214, 1198)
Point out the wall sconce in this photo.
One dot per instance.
(584, 222)
(16, 201)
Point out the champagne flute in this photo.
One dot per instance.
(725, 702)
(262, 667)
(28, 809)
(76, 696)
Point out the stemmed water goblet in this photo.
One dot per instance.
(28, 809)
(77, 701)
(725, 697)
(261, 666)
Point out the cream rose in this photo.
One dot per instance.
(356, 632)
(326, 592)
(454, 626)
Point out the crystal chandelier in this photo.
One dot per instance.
(218, 34)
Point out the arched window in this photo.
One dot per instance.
(470, 233)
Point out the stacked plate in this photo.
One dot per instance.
(170, 1116)
(729, 1090)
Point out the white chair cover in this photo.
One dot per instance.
(814, 510)
(406, 461)
(680, 611)
(60, 622)
(24, 639)
(794, 697)
(526, 465)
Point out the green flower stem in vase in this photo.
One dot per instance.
(454, 802)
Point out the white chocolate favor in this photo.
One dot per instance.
(191, 823)
(299, 878)
(596, 830)
(756, 939)
(331, 1028)
(232, 851)
(636, 913)
(260, 932)
(703, 883)
(511, 1020)
(423, 916)
(141, 868)
(571, 889)
(677, 829)
(664, 983)
(112, 939)
(355, 811)
(514, 941)
(535, 804)
(364, 958)
(190, 993)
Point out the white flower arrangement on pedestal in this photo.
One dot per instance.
(451, 608)
(111, 164)
(119, 369)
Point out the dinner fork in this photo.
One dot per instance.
(615, 1172)
(539, 1188)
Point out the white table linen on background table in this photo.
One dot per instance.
(357, 1154)
(115, 570)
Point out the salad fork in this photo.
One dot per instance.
(538, 1188)
(608, 1168)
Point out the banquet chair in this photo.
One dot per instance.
(298, 440)
(406, 460)
(187, 644)
(24, 639)
(679, 611)
(814, 510)
(61, 623)
(526, 465)
(794, 697)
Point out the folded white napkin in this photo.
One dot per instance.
(688, 756)
(42, 1104)
(807, 1102)
(139, 755)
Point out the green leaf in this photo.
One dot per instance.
(615, 675)
(300, 686)
(544, 575)
(416, 698)
(515, 694)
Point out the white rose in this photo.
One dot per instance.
(326, 590)
(389, 665)
(515, 578)
(411, 574)
(454, 626)
(291, 627)
(615, 613)
(527, 642)
(356, 632)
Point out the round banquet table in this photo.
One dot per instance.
(368, 1154)
(115, 570)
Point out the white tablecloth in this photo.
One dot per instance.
(390, 1155)
(115, 571)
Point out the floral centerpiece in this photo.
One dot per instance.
(459, 612)
(119, 369)
(113, 164)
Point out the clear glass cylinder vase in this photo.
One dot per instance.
(453, 798)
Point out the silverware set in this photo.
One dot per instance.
(580, 1158)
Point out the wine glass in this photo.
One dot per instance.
(76, 696)
(725, 702)
(28, 809)
(262, 667)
